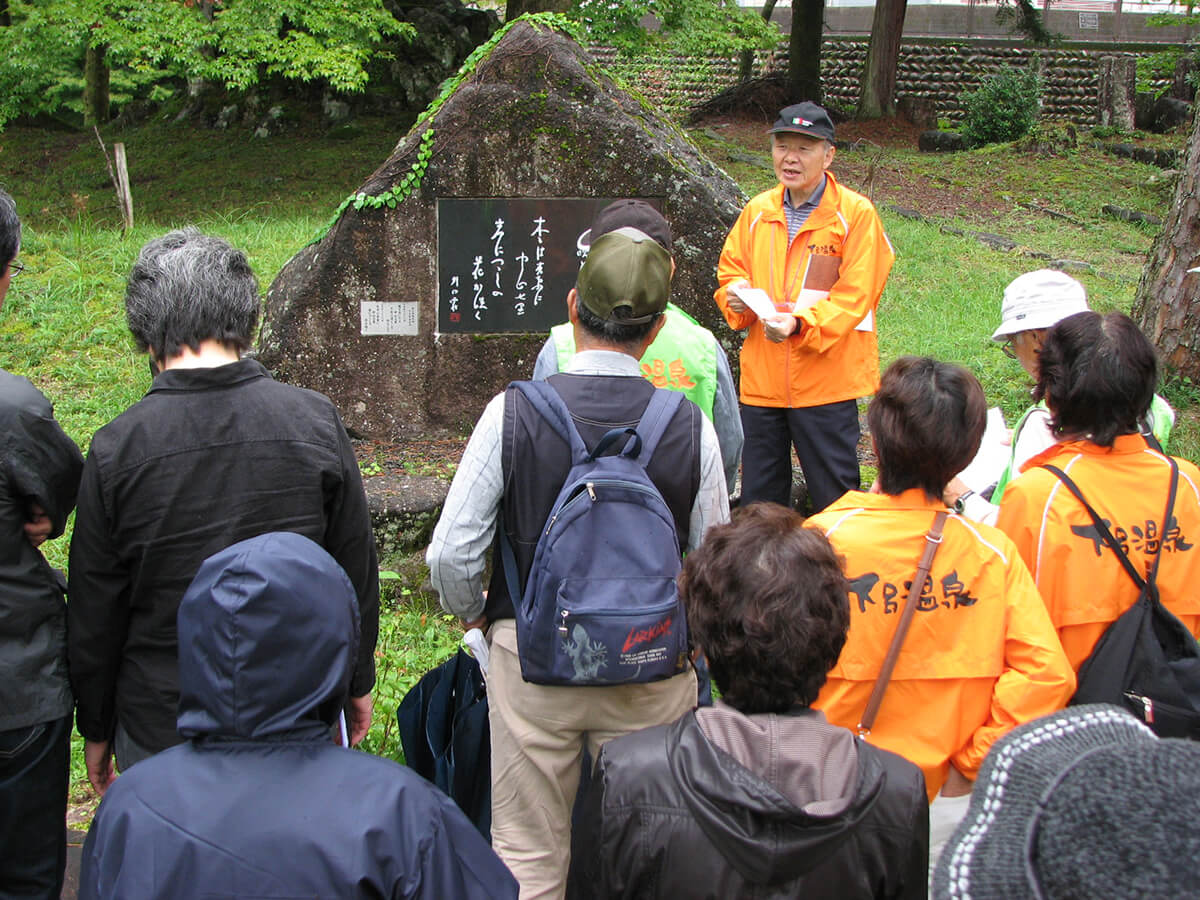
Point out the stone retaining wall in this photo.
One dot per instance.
(936, 69)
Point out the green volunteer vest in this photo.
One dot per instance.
(1161, 416)
(683, 357)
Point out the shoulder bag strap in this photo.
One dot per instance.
(1107, 535)
(1162, 532)
(932, 541)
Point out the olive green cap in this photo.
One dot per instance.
(625, 269)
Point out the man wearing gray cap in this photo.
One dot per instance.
(505, 487)
(802, 271)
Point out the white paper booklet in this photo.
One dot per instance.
(985, 469)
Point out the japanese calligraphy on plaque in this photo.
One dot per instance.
(506, 264)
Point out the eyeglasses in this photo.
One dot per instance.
(1007, 349)
(15, 269)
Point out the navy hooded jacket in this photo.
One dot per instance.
(259, 803)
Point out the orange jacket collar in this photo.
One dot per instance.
(1124, 443)
(913, 498)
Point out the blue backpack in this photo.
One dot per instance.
(600, 606)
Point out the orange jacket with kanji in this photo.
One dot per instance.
(841, 258)
(981, 655)
(1080, 579)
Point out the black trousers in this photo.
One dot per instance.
(34, 771)
(826, 442)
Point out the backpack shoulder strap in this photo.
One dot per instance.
(549, 404)
(1166, 522)
(1101, 528)
(658, 415)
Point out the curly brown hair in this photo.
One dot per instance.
(767, 602)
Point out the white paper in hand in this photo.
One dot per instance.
(987, 466)
(757, 299)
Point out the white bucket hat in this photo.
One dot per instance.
(1039, 299)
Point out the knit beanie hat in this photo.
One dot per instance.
(1085, 803)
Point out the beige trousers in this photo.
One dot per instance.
(538, 735)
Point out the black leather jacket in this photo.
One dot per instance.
(670, 815)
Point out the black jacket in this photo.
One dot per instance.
(38, 464)
(259, 802)
(670, 815)
(207, 458)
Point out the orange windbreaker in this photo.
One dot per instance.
(1080, 579)
(981, 655)
(841, 249)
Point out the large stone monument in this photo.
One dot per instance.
(437, 282)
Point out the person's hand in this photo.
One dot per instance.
(955, 489)
(97, 756)
(732, 301)
(480, 623)
(957, 784)
(38, 526)
(358, 717)
(779, 327)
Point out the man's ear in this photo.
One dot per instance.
(573, 306)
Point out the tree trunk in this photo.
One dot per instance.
(1168, 297)
(877, 94)
(1114, 102)
(515, 8)
(95, 86)
(746, 69)
(804, 50)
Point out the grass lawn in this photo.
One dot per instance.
(62, 324)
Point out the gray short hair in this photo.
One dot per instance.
(10, 230)
(187, 287)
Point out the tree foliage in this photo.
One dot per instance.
(1027, 21)
(1161, 64)
(232, 42)
(688, 27)
(1004, 107)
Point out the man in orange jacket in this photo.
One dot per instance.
(818, 251)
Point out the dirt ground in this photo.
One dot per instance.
(858, 165)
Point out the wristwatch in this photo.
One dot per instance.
(960, 504)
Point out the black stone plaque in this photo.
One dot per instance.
(506, 264)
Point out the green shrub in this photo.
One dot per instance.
(1004, 107)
